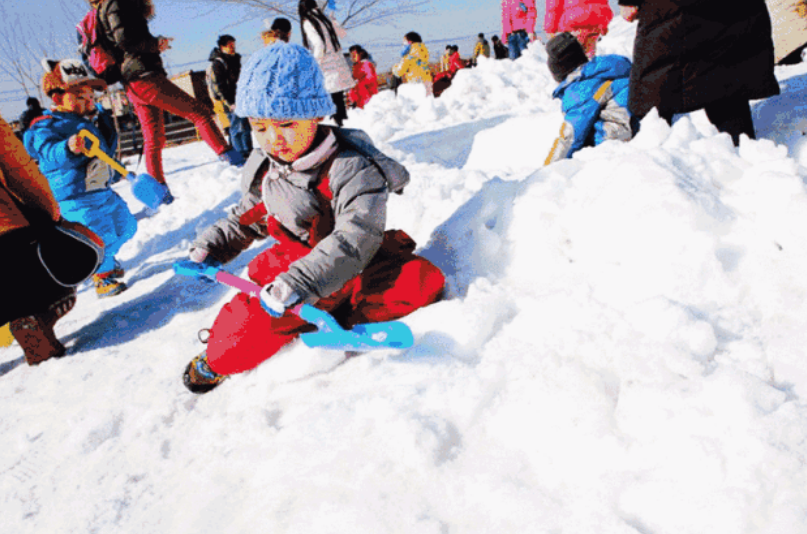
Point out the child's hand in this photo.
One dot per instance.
(76, 144)
(277, 296)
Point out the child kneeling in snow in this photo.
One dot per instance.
(313, 190)
(594, 96)
(80, 184)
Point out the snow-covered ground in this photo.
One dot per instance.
(622, 349)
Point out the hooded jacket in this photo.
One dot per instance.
(288, 193)
(68, 173)
(594, 99)
(224, 72)
(137, 51)
(571, 15)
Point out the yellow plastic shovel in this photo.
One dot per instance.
(144, 186)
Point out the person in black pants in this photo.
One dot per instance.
(715, 55)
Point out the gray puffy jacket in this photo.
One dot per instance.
(360, 178)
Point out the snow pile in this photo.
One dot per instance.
(620, 351)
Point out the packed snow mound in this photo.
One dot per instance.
(620, 349)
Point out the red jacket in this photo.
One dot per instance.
(366, 83)
(570, 15)
(455, 63)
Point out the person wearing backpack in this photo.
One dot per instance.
(124, 24)
(222, 76)
(321, 193)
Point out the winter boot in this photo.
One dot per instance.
(199, 377)
(118, 271)
(106, 285)
(59, 309)
(233, 157)
(37, 339)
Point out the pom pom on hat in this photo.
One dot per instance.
(282, 81)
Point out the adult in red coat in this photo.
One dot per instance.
(715, 55)
(365, 75)
(587, 20)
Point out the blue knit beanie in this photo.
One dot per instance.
(282, 81)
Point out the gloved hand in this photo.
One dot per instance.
(203, 270)
(277, 297)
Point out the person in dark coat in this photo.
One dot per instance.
(715, 55)
(137, 53)
(499, 50)
(33, 110)
(225, 67)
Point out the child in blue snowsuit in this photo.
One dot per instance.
(593, 94)
(81, 185)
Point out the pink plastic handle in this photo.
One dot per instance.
(242, 285)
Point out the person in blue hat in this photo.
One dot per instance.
(321, 193)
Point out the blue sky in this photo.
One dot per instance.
(195, 26)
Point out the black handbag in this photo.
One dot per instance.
(70, 252)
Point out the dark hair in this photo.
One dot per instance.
(494, 38)
(413, 37)
(281, 29)
(362, 53)
(282, 25)
(310, 11)
(354, 48)
(225, 39)
(33, 102)
(481, 35)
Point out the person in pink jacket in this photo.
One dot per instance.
(518, 25)
(587, 20)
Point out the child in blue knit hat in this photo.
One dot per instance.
(321, 193)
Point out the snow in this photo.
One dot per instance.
(621, 349)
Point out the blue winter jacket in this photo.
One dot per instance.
(594, 99)
(46, 141)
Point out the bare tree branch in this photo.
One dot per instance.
(24, 41)
(352, 13)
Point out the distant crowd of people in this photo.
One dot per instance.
(319, 191)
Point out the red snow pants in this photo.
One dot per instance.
(394, 284)
(153, 94)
